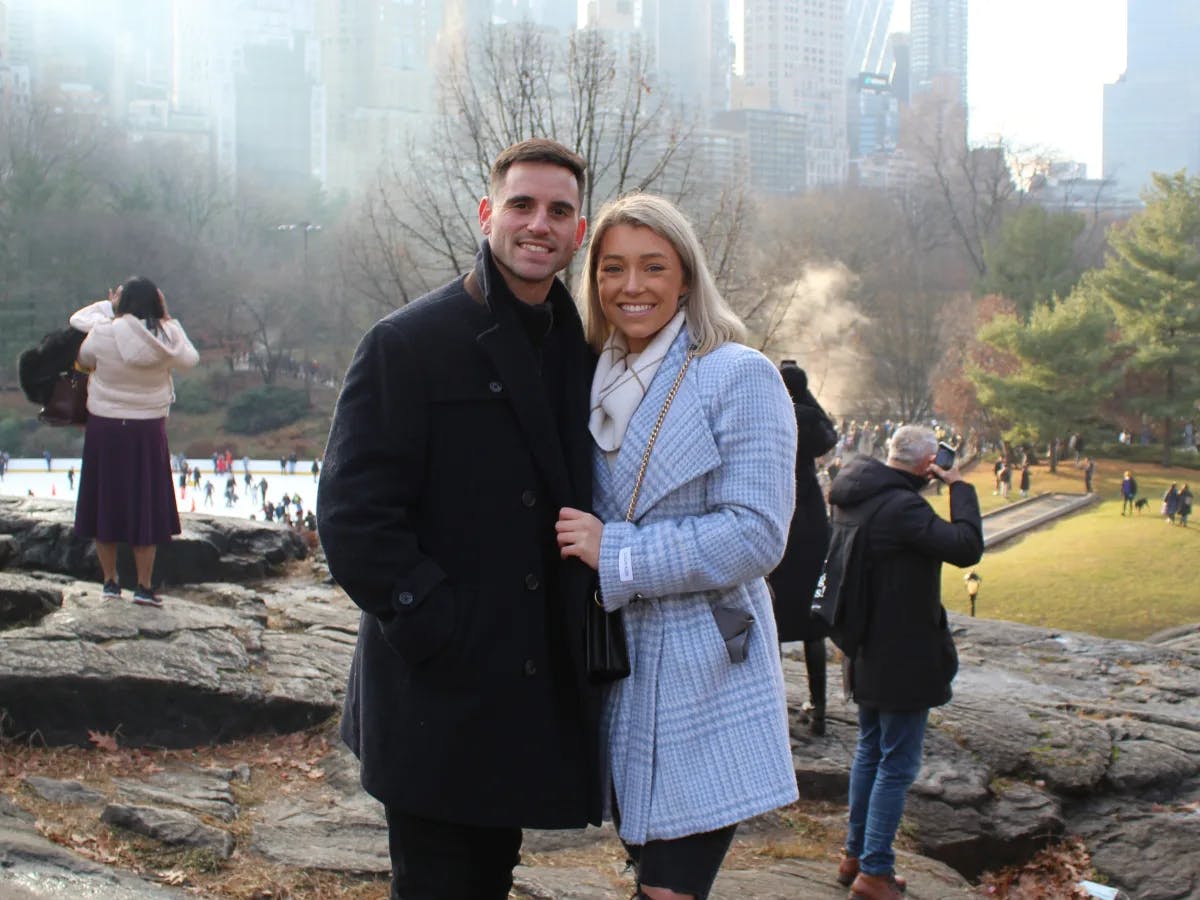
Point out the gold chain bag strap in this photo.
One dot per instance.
(607, 654)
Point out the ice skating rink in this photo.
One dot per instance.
(29, 476)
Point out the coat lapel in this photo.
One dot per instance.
(517, 369)
(685, 448)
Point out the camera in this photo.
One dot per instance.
(945, 456)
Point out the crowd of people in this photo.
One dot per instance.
(288, 510)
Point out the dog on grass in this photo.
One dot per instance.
(1140, 504)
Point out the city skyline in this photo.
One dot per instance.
(1051, 100)
(1011, 101)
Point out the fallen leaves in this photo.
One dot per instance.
(103, 741)
(1054, 873)
(173, 877)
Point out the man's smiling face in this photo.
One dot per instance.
(533, 226)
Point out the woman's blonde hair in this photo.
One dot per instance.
(710, 321)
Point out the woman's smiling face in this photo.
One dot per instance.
(640, 280)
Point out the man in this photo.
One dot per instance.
(1089, 472)
(907, 660)
(460, 432)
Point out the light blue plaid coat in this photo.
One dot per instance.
(695, 742)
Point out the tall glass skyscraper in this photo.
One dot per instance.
(866, 36)
(1152, 112)
(939, 48)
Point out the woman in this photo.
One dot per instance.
(808, 539)
(696, 738)
(125, 492)
(1128, 493)
(1185, 504)
(1170, 504)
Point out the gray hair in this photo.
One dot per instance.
(911, 444)
(710, 321)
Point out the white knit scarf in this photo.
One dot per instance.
(619, 383)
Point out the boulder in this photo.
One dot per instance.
(199, 791)
(210, 548)
(25, 599)
(1151, 850)
(1041, 722)
(65, 793)
(170, 826)
(1049, 733)
(185, 675)
(35, 867)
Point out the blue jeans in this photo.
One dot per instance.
(886, 761)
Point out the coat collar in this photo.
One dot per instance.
(567, 470)
(685, 448)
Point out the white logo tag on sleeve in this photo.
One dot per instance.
(625, 564)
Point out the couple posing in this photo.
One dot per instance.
(475, 497)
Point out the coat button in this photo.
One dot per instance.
(495, 387)
(405, 598)
(531, 582)
(528, 498)
(530, 667)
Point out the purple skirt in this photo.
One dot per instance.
(125, 489)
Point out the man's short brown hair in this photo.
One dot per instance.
(539, 150)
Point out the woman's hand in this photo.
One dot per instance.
(579, 535)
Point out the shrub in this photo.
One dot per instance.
(14, 428)
(264, 409)
(192, 395)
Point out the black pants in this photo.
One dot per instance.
(814, 663)
(441, 861)
(686, 865)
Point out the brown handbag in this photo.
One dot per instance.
(67, 404)
(607, 655)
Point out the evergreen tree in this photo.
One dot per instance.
(1063, 369)
(1151, 281)
(1032, 258)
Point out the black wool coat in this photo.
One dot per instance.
(445, 469)
(907, 659)
(793, 581)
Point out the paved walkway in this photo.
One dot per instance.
(1025, 515)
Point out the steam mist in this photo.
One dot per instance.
(817, 325)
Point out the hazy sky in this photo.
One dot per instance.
(1036, 70)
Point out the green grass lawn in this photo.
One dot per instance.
(1094, 571)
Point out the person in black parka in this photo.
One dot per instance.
(792, 583)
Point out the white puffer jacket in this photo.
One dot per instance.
(131, 377)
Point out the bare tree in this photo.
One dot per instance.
(512, 83)
(975, 185)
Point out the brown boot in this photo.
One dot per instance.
(875, 887)
(848, 871)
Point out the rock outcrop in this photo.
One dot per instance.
(211, 548)
(204, 668)
(1050, 733)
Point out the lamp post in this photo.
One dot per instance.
(972, 580)
(304, 228)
